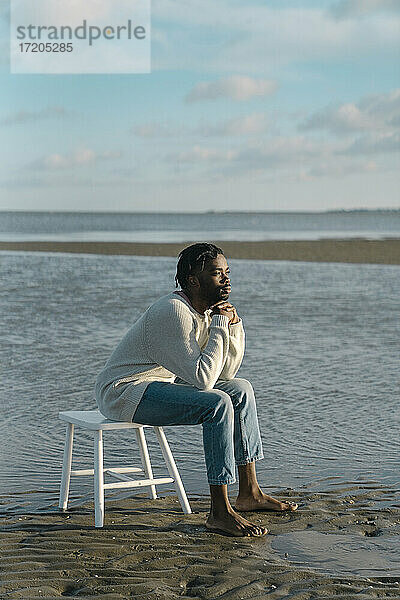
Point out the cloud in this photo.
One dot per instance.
(74, 11)
(384, 106)
(253, 38)
(205, 155)
(30, 181)
(338, 170)
(156, 130)
(294, 158)
(79, 158)
(238, 126)
(281, 152)
(236, 87)
(357, 8)
(375, 144)
(25, 116)
(246, 125)
(378, 112)
(344, 119)
(55, 161)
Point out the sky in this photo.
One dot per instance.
(272, 105)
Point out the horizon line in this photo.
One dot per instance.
(204, 212)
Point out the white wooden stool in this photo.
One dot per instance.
(95, 421)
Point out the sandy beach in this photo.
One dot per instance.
(149, 550)
(385, 251)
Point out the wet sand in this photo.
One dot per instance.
(386, 251)
(149, 550)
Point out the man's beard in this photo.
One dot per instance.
(221, 294)
(211, 297)
(224, 294)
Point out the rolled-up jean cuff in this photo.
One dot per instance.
(250, 460)
(215, 482)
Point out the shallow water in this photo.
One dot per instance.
(337, 554)
(322, 353)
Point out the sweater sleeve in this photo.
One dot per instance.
(171, 342)
(235, 351)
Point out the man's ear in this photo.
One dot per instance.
(194, 281)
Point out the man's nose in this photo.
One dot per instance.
(226, 278)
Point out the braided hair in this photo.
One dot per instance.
(193, 258)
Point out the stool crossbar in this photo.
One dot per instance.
(93, 420)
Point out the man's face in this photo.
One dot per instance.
(214, 280)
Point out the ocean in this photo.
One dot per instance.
(181, 227)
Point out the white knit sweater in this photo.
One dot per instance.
(170, 339)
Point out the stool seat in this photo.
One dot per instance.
(93, 420)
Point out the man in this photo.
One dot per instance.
(177, 366)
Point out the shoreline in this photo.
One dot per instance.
(354, 250)
(150, 549)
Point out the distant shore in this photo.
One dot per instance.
(355, 250)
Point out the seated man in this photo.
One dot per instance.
(176, 366)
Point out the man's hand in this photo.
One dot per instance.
(227, 309)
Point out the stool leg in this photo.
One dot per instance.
(98, 479)
(172, 469)
(66, 468)
(144, 455)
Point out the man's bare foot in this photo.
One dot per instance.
(261, 501)
(233, 524)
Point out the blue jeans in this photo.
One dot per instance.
(227, 413)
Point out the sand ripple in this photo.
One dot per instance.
(149, 550)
